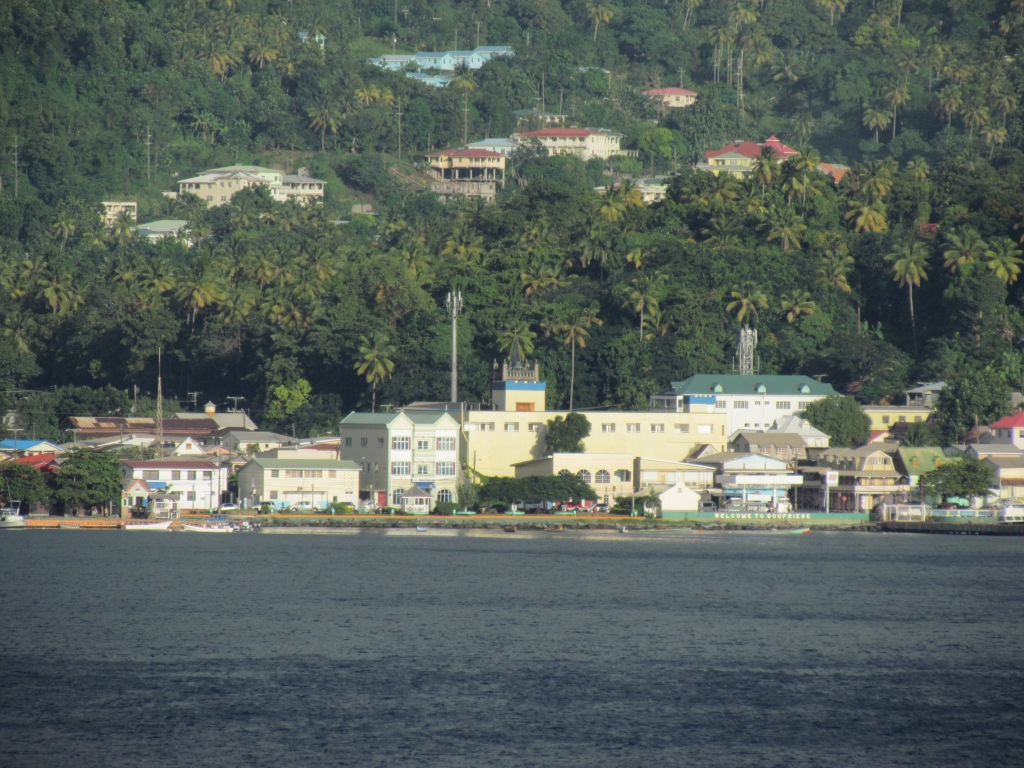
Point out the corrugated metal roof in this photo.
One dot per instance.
(734, 384)
(304, 464)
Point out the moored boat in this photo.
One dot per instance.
(10, 518)
(207, 528)
(149, 525)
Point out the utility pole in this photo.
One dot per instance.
(149, 143)
(465, 118)
(456, 38)
(15, 166)
(234, 402)
(159, 403)
(194, 398)
(527, 39)
(396, 13)
(399, 127)
(394, 42)
(561, 99)
(543, 103)
(478, 33)
(16, 431)
(454, 304)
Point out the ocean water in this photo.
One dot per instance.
(835, 649)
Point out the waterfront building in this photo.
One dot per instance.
(609, 474)
(887, 416)
(194, 485)
(298, 479)
(400, 451)
(250, 442)
(784, 446)
(657, 472)
(744, 478)
(865, 477)
(745, 401)
(912, 463)
(671, 500)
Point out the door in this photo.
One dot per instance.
(382, 498)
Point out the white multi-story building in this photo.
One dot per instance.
(299, 478)
(748, 402)
(398, 452)
(196, 485)
(218, 185)
(585, 143)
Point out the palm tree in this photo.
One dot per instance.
(965, 248)
(463, 79)
(807, 163)
(324, 117)
(199, 290)
(910, 267)
(374, 362)
(600, 11)
(918, 168)
(765, 168)
(897, 94)
(576, 334)
(1006, 103)
(464, 244)
(517, 340)
(59, 292)
(691, 6)
(745, 301)
(64, 227)
(783, 224)
(797, 303)
(867, 215)
(1003, 258)
(875, 120)
(834, 269)
(994, 136)
(645, 295)
(950, 100)
(262, 53)
(974, 116)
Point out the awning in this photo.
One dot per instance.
(426, 485)
(1013, 481)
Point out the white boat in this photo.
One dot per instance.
(147, 525)
(9, 518)
(207, 528)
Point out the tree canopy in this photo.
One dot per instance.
(566, 435)
(840, 418)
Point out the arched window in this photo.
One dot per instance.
(583, 475)
(622, 475)
(444, 495)
(565, 473)
(603, 477)
(396, 496)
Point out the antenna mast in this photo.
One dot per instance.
(745, 350)
(454, 304)
(159, 402)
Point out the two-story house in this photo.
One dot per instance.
(865, 477)
(397, 451)
(672, 98)
(195, 485)
(784, 446)
(585, 143)
(469, 172)
(298, 478)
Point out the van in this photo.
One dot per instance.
(1011, 515)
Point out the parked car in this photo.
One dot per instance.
(601, 509)
(228, 507)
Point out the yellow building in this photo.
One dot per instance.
(672, 98)
(469, 172)
(609, 474)
(884, 416)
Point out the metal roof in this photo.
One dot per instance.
(734, 384)
(304, 464)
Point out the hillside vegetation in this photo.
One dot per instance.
(907, 270)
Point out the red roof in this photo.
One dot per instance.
(1016, 420)
(558, 132)
(752, 149)
(669, 92)
(169, 464)
(39, 461)
(465, 153)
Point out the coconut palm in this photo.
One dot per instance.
(374, 362)
(577, 331)
(974, 116)
(797, 303)
(965, 248)
(745, 300)
(64, 227)
(1006, 103)
(600, 11)
(910, 267)
(124, 228)
(898, 95)
(645, 295)
(994, 136)
(918, 168)
(323, 117)
(517, 340)
(951, 98)
(198, 290)
(464, 244)
(785, 226)
(59, 292)
(867, 215)
(1003, 258)
(263, 52)
(875, 120)
(834, 270)
(765, 168)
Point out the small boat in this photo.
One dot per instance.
(149, 525)
(208, 528)
(422, 528)
(623, 530)
(10, 518)
(69, 527)
(511, 529)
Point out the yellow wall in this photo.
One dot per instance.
(884, 416)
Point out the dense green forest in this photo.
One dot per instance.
(907, 270)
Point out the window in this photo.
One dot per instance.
(314, 473)
(400, 468)
(293, 473)
(376, 467)
(446, 443)
(885, 419)
(422, 445)
(740, 404)
(782, 404)
(400, 443)
(534, 426)
(483, 426)
(396, 496)
(657, 427)
(584, 475)
(363, 441)
(348, 442)
(380, 442)
(275, 473)
(207, 475)
(622, 475)
(176, 474)
(192, 475)
(603, 477)
(704, 429)
(446, 469)
(720, 405)
(766, 450)
(151, 474)
(332, 473)
(803, 405)
(422, 469)
(682, 428)
(511, 426)
(918, 418)
(273, 495)
(632, 427)
(190, 496)
(903, 419)
(444, 495)
(607, 427)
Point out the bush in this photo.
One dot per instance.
(445, 508)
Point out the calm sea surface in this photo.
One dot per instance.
(157, 649)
